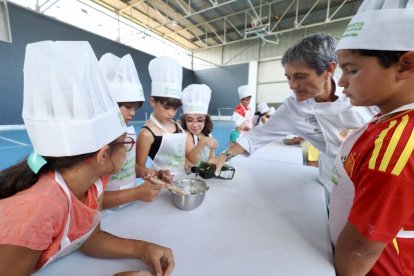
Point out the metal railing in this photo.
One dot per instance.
(220, 109)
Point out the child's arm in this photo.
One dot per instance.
(26, 258)
(193, 152)
(264, 119)
(107, 246)
(104, 245)
(144, 142)
(354, 254)
(244, 127)
(148, 191)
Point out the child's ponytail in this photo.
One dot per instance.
(20, 177)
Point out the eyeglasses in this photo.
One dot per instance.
(193, 122)
(128, 143)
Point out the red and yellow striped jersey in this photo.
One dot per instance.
(381, 166)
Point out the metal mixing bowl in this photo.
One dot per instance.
(196, 189)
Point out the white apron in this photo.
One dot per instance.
(67, 246)
(171, 154)
(205, 153)
(343, 192)
(337, 116)
(248, 115)
(125, 178)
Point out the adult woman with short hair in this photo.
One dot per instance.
(317, 110)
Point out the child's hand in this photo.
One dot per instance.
(148, 173)
(210, 142)
(134, 273)
(149, 191)
(158, 257)
(165, 175)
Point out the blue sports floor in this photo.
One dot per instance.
(15, 145)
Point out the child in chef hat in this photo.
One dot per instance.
(262, 114)
(126, 89)
(161, 138)
(372, 204)
(50, 203)
(196, 121)
(242, 115)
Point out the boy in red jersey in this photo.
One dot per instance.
(372, 203)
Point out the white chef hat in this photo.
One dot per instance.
(245, 91)
(67, 108)
(381, 25)
(262, 107)
(122, 78)
(272, 110)
(166, 76)
(196, 98)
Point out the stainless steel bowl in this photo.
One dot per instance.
(196, 189)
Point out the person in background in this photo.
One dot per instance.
(161, 138)
(313, 155)
(271, 111)
(317, 110)
(310, 153)
(196, 121)
(242, 115)
(125, 88)
(262, 114)
(291, 139)
(372, 205)
(50, 203)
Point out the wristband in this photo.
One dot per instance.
(227, 154)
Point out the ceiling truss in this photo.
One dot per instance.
(201, 24)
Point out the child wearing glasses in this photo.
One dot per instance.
(125, 88)
(161, 138)
(200, 144)
(50, 203)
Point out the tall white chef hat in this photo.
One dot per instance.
(67, 108)
(381, 25)
(196, 98)
(166, 75)
(245, 91)
(262, 107)
(122, 78)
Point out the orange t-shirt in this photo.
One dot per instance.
(36, 217)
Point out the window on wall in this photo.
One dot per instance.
(89, 16)
(5, 33)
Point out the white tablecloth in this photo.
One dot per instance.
(269, 220)
(279, 152)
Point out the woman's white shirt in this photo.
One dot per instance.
(318, 122)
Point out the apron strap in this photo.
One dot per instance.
(195, 139)
(155, 121)
(59, 179)
(99, 186)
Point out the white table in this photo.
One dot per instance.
(269, 220)
(279, 152)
